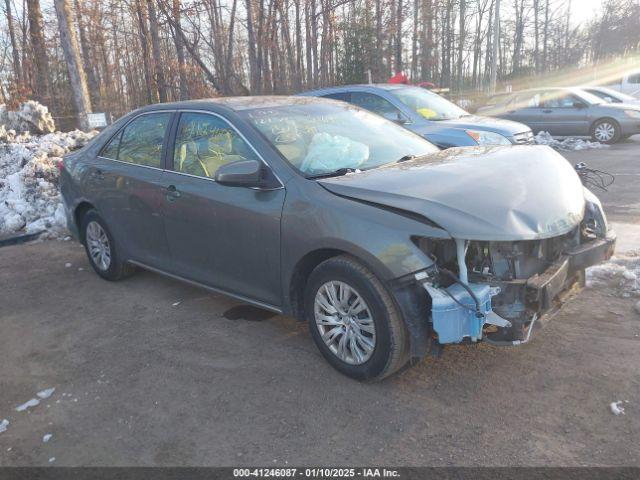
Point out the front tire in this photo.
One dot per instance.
(102, 250)
(606, 131)
(354, 321)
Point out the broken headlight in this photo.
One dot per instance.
(595, 221)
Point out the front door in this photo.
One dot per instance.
(224, 237)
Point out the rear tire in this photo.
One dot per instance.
(364, 335)
(606, 131)
(102, 250)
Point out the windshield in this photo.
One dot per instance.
(428, 104)
(322, 138)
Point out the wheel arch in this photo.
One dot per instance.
(307, 263)
(78, 213)
(600, 119)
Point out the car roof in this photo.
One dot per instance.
(366, 86)
(237, 103)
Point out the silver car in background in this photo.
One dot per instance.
(568, 112)
(611, 96)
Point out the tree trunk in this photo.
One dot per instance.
(179, 44)
(399, 37)
(253, 60)
(461, 42)
(77, 77)
(36, 35)
(158, 68)
(17, 69)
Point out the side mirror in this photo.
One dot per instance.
(609, 100)
(579, 105)
(243, 173)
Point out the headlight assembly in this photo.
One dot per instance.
(488, 138)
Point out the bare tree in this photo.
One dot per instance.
(77, 77)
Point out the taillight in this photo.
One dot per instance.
(60, 166)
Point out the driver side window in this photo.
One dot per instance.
(376, 104)
(204, 143)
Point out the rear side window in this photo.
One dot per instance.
(141, 141)
(204, 143)
(635, 78)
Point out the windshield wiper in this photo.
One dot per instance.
(335, 173)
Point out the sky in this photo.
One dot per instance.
(584, 10)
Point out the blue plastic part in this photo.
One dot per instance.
(451, 321)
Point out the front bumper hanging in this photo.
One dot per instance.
(454, 312)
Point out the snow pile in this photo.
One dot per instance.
(29, 196)
(622, 273)
(616, 408)
(570, 143)
(3, 425)
(31, 117)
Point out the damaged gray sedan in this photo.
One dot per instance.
(388, 247)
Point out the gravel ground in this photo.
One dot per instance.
(141, 379)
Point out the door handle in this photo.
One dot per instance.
(172, 193)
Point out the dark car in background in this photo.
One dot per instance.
(568, 112)
(323, 211)
(430, 115)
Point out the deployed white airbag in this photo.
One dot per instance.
(327, 153)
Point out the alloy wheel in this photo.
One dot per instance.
(605, 131)
(345, 323)
(98, 245)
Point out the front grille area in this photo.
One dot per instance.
(523, 138)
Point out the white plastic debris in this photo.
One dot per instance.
(52, 459)
(616, 408)
(175, 304)
(46, 437)
(67, 265)
(3, 425)
(28, 404)
(567, 144)
(46, 393)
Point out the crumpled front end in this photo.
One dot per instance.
(498, 290)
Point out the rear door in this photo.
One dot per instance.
(129, 173)
(224, 237)
(525, 108)
(562, 114)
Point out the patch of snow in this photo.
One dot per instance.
(46, 393)
(47, 437)
(28, 404)
(52, 459)
(175, 304)
(616, 408)
(67, 265)
(31, 117)
(621, 272)
(568, 144)
(29, 196)
(3, 425)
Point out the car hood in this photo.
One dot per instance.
(477, 122)
(478, 193)
(621, 106)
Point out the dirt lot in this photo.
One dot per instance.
(141, 381)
